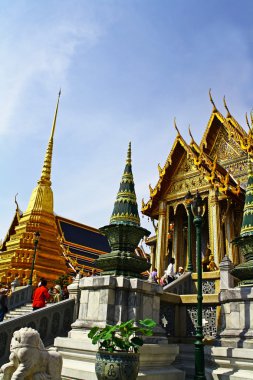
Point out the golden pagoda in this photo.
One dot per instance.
(217, 168)
(18, 248)
(64, 246)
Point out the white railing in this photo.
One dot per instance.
(51, 321)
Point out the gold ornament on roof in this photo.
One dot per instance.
(226, 107)
(211, 100)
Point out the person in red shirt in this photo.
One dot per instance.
(40, 295)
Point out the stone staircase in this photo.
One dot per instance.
(19, 311)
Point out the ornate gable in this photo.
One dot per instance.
(186, 177)
(225, 148)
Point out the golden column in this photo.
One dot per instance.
(215, 232)
(162, 237)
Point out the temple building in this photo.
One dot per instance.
(64, 246)
(217, 168)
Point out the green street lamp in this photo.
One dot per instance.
(36, 241)
(198, 210)
(188, 202)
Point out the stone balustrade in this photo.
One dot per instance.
(52, 321)
(178, 316)
(182, 285)
(20, 297)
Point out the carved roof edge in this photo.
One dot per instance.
(179, 141)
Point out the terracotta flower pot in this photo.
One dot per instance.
(117, 365)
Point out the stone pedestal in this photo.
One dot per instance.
(224, 363)
(109, 300)
(226, 279)
(237, 317)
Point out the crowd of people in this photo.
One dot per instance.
(169, 274)
(43, 295)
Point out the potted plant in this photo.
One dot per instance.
(118, 352)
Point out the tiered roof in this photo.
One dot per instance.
(81, 244)
(215, 170)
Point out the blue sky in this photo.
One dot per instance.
(126, 69)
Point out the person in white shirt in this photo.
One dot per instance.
(170, 271)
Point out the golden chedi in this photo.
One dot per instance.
(18, 249)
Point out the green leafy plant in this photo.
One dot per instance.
(62, 280)
(125, 336)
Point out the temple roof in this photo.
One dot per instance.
(125, 209)
(82, 244)
(214, 124)
(11, 231)
(204, 158)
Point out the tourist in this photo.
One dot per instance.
(39, 283)
(153, 275)
(94, 273)
(40, 295)
(163, 280)
(180, 272)
(3, 303)
(57, 294)
(65, 292)
(170, 271)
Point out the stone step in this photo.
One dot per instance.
(18, 312)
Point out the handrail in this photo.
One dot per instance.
(182, 285)
(51, 321)
(20, 297)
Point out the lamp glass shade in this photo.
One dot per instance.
(36, 235)
(197, 206)
(188, 198)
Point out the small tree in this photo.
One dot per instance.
(62, 280)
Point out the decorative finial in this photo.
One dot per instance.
(251, 118)
(46, 170)
(226, 107)
(211, 100)
(189, 129)
(129, 154)
(16, 201)
(175, 126)
(56, 113)
(247, 121)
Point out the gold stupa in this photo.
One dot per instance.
(18, 248)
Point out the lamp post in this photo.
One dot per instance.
(198, 212)
(36, 241)
(188, 202)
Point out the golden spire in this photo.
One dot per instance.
(211, 100)
(45, 178)
(42, 196)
